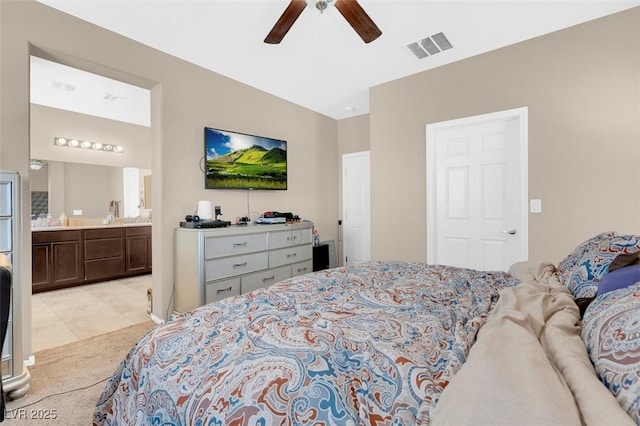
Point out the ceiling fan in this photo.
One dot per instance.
(350, 9)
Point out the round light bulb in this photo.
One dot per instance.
(97, 145)
(73, 142)
(119, 148)
(61, 141)
(85, 144)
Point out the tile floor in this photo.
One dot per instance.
(68, 315)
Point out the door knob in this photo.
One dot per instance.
(510, 231)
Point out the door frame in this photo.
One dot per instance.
(522, 115)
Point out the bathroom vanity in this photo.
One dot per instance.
(76, 255)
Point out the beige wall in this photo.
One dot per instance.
(185, 99)
(48, 123)
(88, 187)
(40, 179)
(582, 87)
(76, 186)
(353, 136)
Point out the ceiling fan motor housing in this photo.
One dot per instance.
(321, 5)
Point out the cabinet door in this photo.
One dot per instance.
(41, 266)
(137, 256)
(67, 263)
(149, 253)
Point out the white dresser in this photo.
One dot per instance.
(14, 373)
(214, 263)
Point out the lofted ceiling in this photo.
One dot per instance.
(322, 64)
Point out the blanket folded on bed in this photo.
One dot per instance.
(529, 365)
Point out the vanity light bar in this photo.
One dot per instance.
(96, 146)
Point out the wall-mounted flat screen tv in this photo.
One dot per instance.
(241, 161)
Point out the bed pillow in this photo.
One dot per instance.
(611, 332)
(583, 268)
(619, 278)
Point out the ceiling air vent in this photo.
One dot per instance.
(417, 50)
(429, 46)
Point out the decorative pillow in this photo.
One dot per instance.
(611, 332)
(625, 259)
(619, 278)
(583, 268)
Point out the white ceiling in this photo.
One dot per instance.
(59, 86)
(322, 64)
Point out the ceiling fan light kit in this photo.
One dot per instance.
(349, 9)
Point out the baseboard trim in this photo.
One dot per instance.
(156, 319)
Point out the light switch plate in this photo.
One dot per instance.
(77, 212)
(535, 206)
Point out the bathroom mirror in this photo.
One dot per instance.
(86, 189)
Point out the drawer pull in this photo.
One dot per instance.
(223, 290)
(271, 278)
(292, 255)
(240, 265)
(235, 245)
(302, 269)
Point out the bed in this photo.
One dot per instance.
(393, 343)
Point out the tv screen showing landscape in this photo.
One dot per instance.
(240, 161)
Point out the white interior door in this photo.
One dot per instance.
(356, 205)
(477, 191)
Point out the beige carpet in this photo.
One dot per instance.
(66, 381)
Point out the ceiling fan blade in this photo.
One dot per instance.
(359, 20)
(285, 22)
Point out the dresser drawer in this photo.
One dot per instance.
(6, 198)
(236, 244)
(295, 236)
(302, 268)
(216, 269)
(287, 256)
(219, 290)
(264, 279)
(5, 234)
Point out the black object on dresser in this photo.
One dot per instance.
(320, 257)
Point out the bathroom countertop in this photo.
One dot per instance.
(71, 228)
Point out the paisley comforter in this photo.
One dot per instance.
(372, 344)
